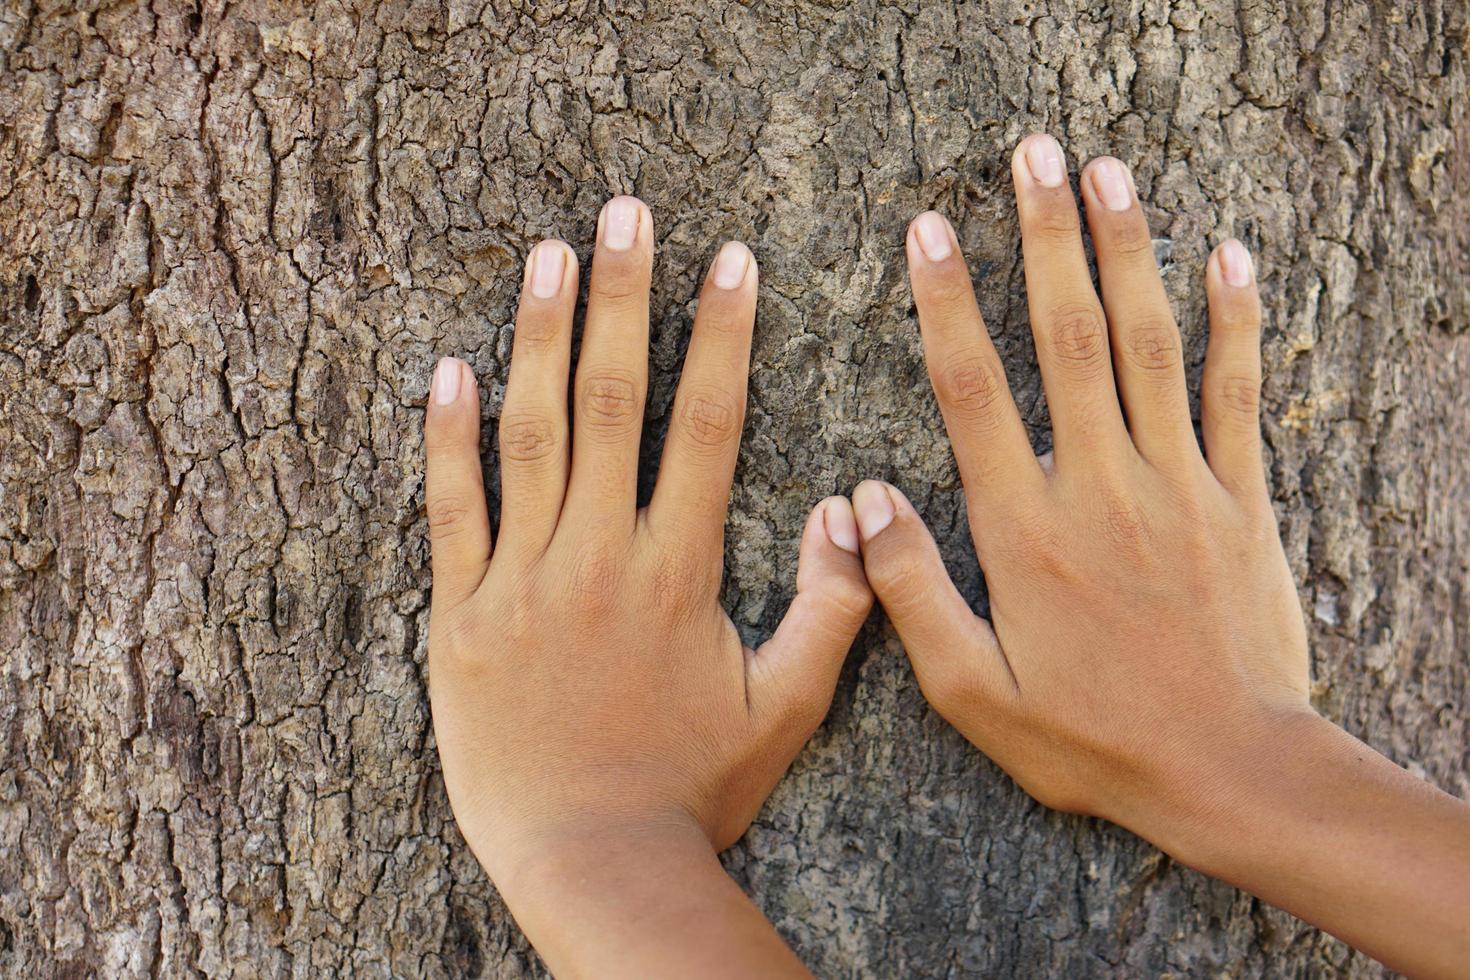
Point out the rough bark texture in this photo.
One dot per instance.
(233, 240)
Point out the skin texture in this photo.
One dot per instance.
(603, 730)
(1146, 659)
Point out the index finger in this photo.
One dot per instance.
(989, 439)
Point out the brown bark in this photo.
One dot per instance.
(233, 240)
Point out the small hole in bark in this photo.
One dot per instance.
(32, 294)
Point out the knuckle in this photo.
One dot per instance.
(969, 386)
(447, 515)
(527, 438)
(680, 580)
(948, 297)
(710, 418)
(1241, 396)
(901, 579)
(1057, 223)
(850, 601)
(1153, 346)
(1124, 521)
(1079, 338)
(1237, 318)
(619, 288)
(1131, 244)
(609, 399)
(534, 334)
(1036, 541)
(593, 579)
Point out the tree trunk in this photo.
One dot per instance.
(234, 240)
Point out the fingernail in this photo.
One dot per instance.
(1113, 186)
(932, 231)
(445, 386)
(548, 267)
(873, 507)
(841, 528)
(1044, 160)
(620, 223)
(1235, 264)
(730, 265)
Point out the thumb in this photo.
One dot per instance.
(794, 673)
(952, 649)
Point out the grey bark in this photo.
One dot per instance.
(233, 241)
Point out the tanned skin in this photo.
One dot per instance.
(1145, 660)
(602, 729)
(604, 733)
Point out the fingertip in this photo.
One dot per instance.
(1038, 159)
(448, 381)
(734, 266)
(1108, 181)
(874, 507)
(839, 523)
(551, 269)
(625, 221)
(1233, 265)
(932, 235)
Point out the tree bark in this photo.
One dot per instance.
(233, 240)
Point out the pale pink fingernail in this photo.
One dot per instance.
(548, 268)
(1044, 160)
(841, 526)
(932, 231)
(1235, 264)
(620, 223)
(1111, 182)
(445, 386)
(730, 265)
(873, 507)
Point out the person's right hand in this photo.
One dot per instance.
(1145, 620)
(1148, 659)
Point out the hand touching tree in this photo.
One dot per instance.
(602, 729)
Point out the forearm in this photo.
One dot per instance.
(1319, 824)
(642, 903)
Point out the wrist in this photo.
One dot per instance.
(1214, 802)
(643, 897)
(561, 853)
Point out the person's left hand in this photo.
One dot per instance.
(584, 679)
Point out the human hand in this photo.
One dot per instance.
(584, 680)
(1147, 636)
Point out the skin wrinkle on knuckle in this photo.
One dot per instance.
(527, 438)
(593, 580)
(1078, 338)
(1055, 223)
(1153, 346)
(950, 685)
(1241, 396)
(1034, 540)
(608, 400)
(536, 335)
(849, 599)
(447, 515)
(621, 289)
(1124, 521)
(970, 387)
(680, 579)
(710, 418)
(1126, 241)
(900, 579)
(949, 298)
